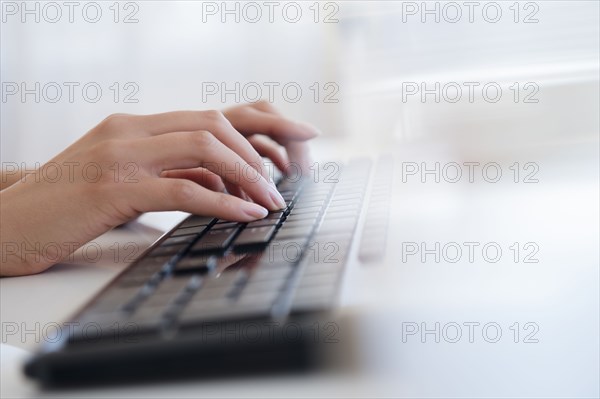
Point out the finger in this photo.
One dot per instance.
(299, 156)
(268, 148)
(162, 194)
(201, 176)
(265, 106)
(212, 121)
(185, 150)
(250, 121)
(236, 191)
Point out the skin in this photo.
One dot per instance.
(202, 162)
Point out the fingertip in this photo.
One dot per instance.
(254, 211)
(310, 131)
(278, 203)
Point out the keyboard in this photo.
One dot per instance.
(212, 292)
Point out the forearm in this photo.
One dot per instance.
(33, 233)
(12, 258)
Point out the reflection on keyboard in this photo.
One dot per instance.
(173, 311)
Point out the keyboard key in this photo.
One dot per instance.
(335, 226)
(157, 300)
(314, 279)
(297, 231)
(189, 230)
(289, 195)
(349, 191)
(274, 216)
(299, 222)
(314, 189)
(255, 236)
(305, 210)
(307, 215)
(309, 204)
(276, 257)
(260, 299)
(195, 220)
(138, 279)
(195, 264)
(311, 304)
(145, 271)
(223, 310)
(289, 185)
(150, 317)
(238, 285)
(323, 268)
(178, 240)
(276, 260)
(263, 222)
(167, 250)
(344, 202)
(340, 215)
(343, 208)
(225, 225)
(215, 241)
(172, 286)
(276, 274)
(226, 278)
(315, 291)
(255, 286)
(314, 195)
(150, 265)
(346, 197)
(213, 304)
(206, 293)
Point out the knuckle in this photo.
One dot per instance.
(282, 125)
(201, 139)
(257, 163)
(266, 105)
(116, 122)
(214, 115)
(216, 119)
(226, 203)
(184, 191)
(213, 180)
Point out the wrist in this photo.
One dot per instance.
(13, 249)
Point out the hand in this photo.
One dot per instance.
(130, 164)
(282, 140)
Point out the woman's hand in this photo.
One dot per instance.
(130, 164)
(277, 132)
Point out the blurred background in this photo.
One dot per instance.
(360, 70)
(510, 82)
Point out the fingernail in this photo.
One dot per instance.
(277, 198)
(255, 211)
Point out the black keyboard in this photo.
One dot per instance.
(208, 272)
